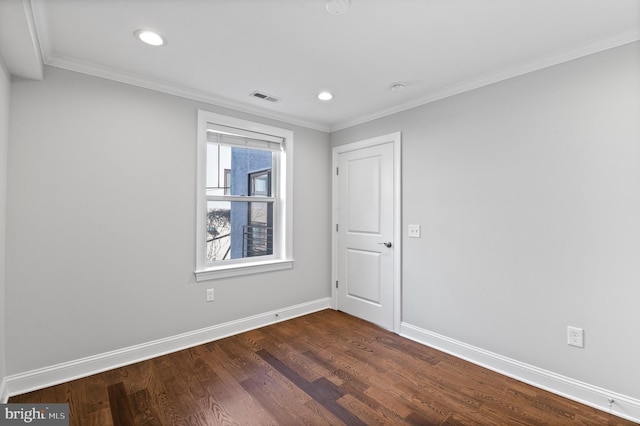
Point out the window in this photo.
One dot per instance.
(260, 183)
(258, 233)
(244, 200)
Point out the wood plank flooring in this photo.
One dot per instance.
(326, 368)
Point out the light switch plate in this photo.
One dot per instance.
(414, 231)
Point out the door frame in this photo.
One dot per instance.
(396, 139)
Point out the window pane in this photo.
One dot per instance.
(218, 231)
(218, 169)
(239, 229)
(230, 169)
(258, 233)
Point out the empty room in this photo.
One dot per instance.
(285, 212)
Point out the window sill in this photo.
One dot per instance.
(242, 269)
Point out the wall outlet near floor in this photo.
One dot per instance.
(575, 337)
(210, 295)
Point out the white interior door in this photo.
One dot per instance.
(366, 232)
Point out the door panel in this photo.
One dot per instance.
(363, 180)
(363, 276)
(365, 265)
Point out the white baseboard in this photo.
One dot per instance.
(44, 377)
(623, 406)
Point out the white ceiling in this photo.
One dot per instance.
(220, 51)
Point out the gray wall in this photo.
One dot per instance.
(101, 222)
(4, 143)
(528, 193)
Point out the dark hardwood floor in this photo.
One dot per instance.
(323, 368)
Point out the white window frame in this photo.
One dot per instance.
(282, 257)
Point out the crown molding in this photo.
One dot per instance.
(495, 77)
(19, 46)
(39, 14)
(175, 90)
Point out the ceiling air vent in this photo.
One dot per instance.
(264, 96)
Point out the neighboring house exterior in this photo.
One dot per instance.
(238, 229)
(251, 222)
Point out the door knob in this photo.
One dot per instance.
(387, 244)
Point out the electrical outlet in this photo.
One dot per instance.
(414, 231)
(575, 337)
(210, 295)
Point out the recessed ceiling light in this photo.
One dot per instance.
(149, 37)
(325, 96)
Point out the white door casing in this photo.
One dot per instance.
(367, 237)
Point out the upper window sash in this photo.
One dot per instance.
(272, 173)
